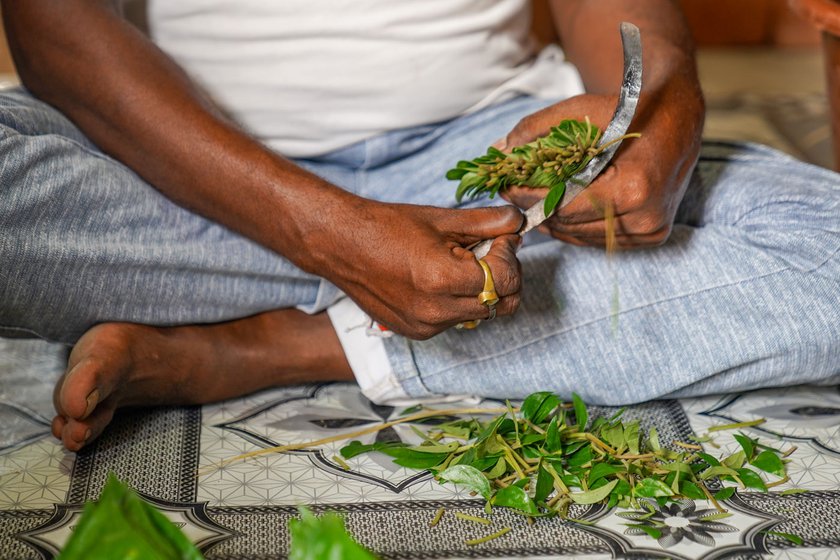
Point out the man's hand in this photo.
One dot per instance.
(643, 185)
(408, 268)
(647, 177)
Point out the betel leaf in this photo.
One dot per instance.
(515, 497)
(123, 525)
(593, 496)
(320, 538)
(768, 461)
(581, 416)
(537, 406)
(470, 477)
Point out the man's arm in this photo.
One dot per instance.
(404, 265)
(648, 177)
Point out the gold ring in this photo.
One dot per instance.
(488, 295)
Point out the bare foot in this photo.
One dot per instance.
(120, 364)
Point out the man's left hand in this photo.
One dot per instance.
(644, 183)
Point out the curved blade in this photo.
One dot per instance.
(628, 98)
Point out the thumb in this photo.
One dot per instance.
(486, 223)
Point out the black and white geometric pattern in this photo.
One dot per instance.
(242, 509)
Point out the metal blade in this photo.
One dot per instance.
(628, 98)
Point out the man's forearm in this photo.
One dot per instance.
(140, 107)
(588, 31)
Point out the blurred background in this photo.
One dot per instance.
(761, 67)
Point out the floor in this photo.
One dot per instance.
(241, 510)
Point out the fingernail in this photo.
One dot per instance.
(87, 435)
(92, 400)
(500, 144)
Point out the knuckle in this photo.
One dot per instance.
(512, 303)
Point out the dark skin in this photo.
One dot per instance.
(406, 266)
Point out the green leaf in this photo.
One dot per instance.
(553, 443)
(320, 538)
(593, 496)
(552, 199)
(720, 470)
(691, 490)
(652, 532)
(123, 525)
(711, 461)
(545, 484)
(768, 461)
(470, 477)
(792, 491)
(515, 497)
(795, 539)
(414, 459)
(735, 461)
(725, 493)
(746, 444)
(581, 416)
(631, 436)
(653, 440)
(614, 435)
(581, 457)
(751, 479)
(602, 470)
(537, 406)
(356, 447)
(498, 470)
(652, 488)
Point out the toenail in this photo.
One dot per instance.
(87, 435)
(92, 400)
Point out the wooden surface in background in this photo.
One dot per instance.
(6, 65)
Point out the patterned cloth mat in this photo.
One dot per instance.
(241, 510)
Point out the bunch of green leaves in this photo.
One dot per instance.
(324, 537)
(122, 525)
(548, 162)
(550, 455)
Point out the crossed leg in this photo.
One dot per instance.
(116, 365)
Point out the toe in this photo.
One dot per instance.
(58, 424)
(78, 433)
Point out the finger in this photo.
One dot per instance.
(505, 269)
(473, 225)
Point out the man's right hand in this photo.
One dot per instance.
(408, 268)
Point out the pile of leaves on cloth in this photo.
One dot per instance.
(548, 454)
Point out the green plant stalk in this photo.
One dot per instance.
(548, 162)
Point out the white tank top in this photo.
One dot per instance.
(310, 76)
